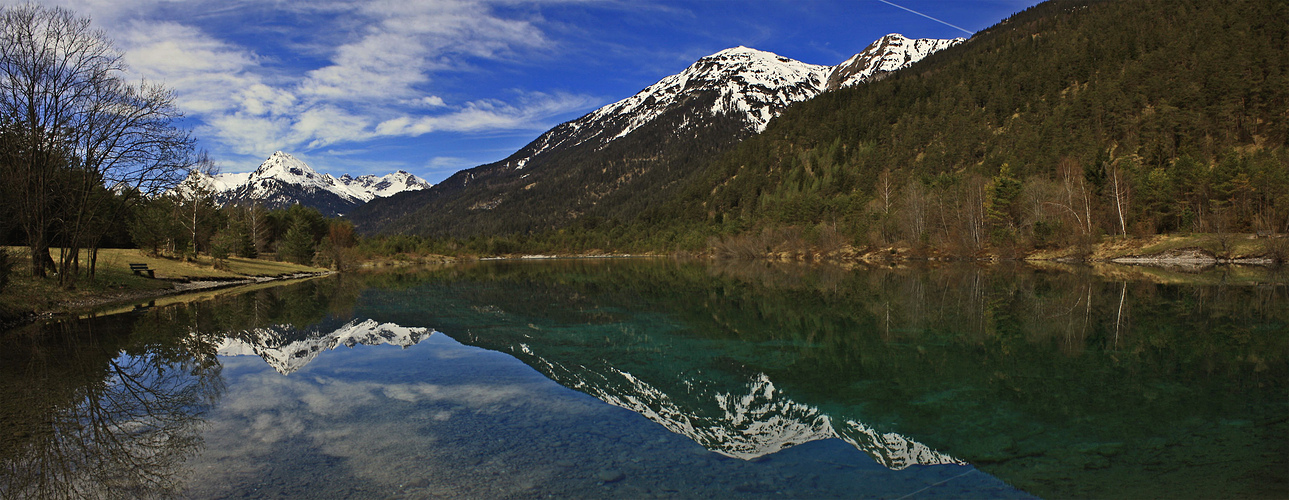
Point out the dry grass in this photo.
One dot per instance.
(120, 258)
(1237, 246)
(115, 281)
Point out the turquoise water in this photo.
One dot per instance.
(660, 379)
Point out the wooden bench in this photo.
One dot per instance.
(139, 269)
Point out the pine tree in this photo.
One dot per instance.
(297, 245)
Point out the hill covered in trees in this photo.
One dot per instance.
(1063, 123)
(1069, 120)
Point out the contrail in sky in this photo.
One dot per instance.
(926, 16)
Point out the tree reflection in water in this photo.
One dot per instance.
(92, 411)
(113, 406)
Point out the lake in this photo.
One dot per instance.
(657, 378)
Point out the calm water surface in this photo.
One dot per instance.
(660, 379)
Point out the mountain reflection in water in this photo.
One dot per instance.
(1064, 382)
(287, 349)
(745, 425)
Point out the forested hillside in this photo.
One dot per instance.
(1070, 120)
(617, 180)
(1059, 126)
(630, 156)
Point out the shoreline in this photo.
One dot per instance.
(1186, 254)
(92, 305)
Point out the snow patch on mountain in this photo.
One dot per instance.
(752, 84)
(890, 53)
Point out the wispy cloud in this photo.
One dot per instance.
(376, 80)
(529, 112)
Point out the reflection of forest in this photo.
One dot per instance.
(113, 406)
(92, 409)
(1061, 383)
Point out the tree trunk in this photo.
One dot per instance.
(93, 261)
(1118, 204)
(40, 259)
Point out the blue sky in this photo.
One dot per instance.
(437, 86)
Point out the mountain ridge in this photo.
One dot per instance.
(649, 141)
(283, 180)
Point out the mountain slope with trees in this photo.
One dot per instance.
(630, 156)
(1068, 120)
(1063, 124)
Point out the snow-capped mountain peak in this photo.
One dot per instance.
(751, 84)
(889, 53)
(647, 141)
(741, 83)
(285, 167)
(384, 186)
(283, 180)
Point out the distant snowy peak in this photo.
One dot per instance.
(889, 53)
(283, 180)
(385, 186)
(284, 168)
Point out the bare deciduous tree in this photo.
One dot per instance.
(194, 199)
(73, 128)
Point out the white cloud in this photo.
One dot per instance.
(439, 163)
(529, 113)
(405, 41)
(427, 102)
(373, 71)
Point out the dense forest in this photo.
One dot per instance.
(1061, 125)
(1067, 121)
